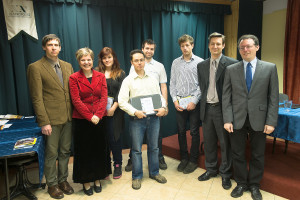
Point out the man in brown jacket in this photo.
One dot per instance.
(49, 88)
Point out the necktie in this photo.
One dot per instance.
(248, 76)
(59, 73)
(212, 82)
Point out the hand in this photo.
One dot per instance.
(191, 106)
(140, 114)
(47, 129)
(178, 107)
(95, 119)
(268, 129)
(110, 112)
(228, 127)
(166, 111)
(160, 112)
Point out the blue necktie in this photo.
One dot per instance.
(248, 76)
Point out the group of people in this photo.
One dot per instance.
(233, 100)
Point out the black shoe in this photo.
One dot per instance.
(226, 183)
(117, 171)
(238, 191)
(190, 167)
(255, 193)
(98, 189)
(88, 192)
(206, 176)
(128, 167)
(182, 165)
(162, 164)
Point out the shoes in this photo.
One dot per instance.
(55, 192)
(255, 193)
(182, 165)
(66, 188)
(128, 167)
(207, 175)
(88, 192)
(190, 167)
(226, 183)
(162, 164)
(117, 171)
(97, 189)
(238, 191)
(136, 184)
(159, 178)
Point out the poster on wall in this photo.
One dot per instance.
(19, 16)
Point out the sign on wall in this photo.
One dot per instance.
(19, 16)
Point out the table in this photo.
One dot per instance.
(21, 128)
(288, 126)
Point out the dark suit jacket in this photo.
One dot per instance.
(261, 103)
(51, 101)
(203, 69)
(88, 98)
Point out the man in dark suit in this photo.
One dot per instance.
(211, 77)
(250, 108)
(48, 80)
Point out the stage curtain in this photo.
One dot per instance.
(291, 80)
(121, 26)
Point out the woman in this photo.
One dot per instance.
(89, 96)
(110, 66)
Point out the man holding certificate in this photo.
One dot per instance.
(145, 120)
(185, 93)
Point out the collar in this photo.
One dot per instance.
(217, 60)
(253, 62)
(52, 62)
(192, 58)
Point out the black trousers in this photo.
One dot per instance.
(238, 139)
(213, 131)
(194, 119)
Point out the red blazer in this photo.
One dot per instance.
(88, 98)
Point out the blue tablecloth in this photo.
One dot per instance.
(288, 126)
(22, 128)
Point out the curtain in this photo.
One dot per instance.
(121, 26)
(291, 80)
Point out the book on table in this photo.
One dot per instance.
(25, 143)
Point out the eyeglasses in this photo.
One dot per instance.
(139, 60)
(245, 47)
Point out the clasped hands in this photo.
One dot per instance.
(190, 106)
(95, 120)
(267, 129)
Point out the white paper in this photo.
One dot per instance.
(29, 117)
(2, 122)
(147, 105)
(110, 101)
(7, 126)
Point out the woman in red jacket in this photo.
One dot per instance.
(89, 96)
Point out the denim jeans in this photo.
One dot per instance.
(139, 127)
(115, 146)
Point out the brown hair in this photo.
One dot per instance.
(48, 38)
(185, 38)
(115, 69)
(216, 35)
(84, 52)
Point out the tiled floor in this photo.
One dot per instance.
(179, 187)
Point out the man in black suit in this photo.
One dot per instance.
(211, 77)
(250, 108)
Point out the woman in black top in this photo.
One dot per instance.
(110, 66)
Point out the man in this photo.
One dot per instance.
(140, 83)
(157, 70)
(250, 109)
(211, 77)
(184, 87)
(48, 80)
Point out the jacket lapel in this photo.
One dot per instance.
(221, 68)
(51, 71)
(64, 73)
(258, 71)
(241, 75)
(95, 79)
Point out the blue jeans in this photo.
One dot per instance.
(139, 127)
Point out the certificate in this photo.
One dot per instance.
(147, 105)
(184, 101)
(110, 101)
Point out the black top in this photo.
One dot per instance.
(113, 86)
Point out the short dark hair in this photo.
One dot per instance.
(134, 52)
(49, 37)
(148, 41)
(185, 38)
(248, 36)
(218, 35)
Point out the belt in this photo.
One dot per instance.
(213, 104)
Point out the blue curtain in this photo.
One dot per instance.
(119, 24)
